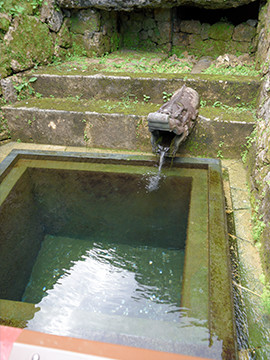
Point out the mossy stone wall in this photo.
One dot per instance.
(260, 154)
(216, 39)
(29, 43)
(44, 32)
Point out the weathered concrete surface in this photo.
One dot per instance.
(129, 5)
(230, 91)
(249, 266)
(209, 138)
(58, 127)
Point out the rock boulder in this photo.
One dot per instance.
(129, 5)
(28, 42)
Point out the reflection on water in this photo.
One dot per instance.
(115, 292)
(109, 279)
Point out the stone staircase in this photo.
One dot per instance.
(106, 110)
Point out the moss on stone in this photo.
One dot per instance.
(5, 69)
(241, 47)
(4, 24)
(209, 47)
(221, 31)
(64, 37)
(85, 20)
(31, 44)
(130, 39)
(115, 41)
(126, 106)
(228, 113)
(78, 47)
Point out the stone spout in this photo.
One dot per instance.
(173, 122)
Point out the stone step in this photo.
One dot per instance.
(229, 90)
(218, 132)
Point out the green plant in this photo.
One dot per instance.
(85, 137)
(219, 153)
(128, 100)
(217, 104)
(24, 88)
(243, 70)
(36, 4)
(146, 98)
(56, 7)
(203, 103)
(166, 96)
(104, 58)
(250, 140)
(239, 108)
(56, 61)
(16, 10)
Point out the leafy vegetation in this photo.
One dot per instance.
(248, 145)
(242, 70)
(219, 153)
(239, 108)
(166, 96)
(24, 88)
(17, 8)
(146, 63)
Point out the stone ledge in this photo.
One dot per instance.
(230, 90)
(210, 138)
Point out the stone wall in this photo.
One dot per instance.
(93, 32)
(163, 29)
(27, 39)
(148, 29)
(260, 155)
(216, 39)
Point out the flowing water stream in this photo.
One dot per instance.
(154, 179)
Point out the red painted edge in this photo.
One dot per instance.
(89, 347)
(8, 335)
